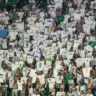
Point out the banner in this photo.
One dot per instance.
(40, 66)
(86, 72)
(20, 85)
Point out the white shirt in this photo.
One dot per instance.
(87, 62)
(89, 95)
(11, 82)
(20, 14)
(31, 90)
(79, 62)
(52, 13)
(5, 19)
(60, 94)
(42, 14)
(12, 35)
(42, 79)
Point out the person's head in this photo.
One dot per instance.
(89, 91)
(15, 80)
(89, 80)
(94, 54)
(29, 80)
(82, 81)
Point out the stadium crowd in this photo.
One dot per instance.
(48, 48)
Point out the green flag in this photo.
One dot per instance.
(92, 44)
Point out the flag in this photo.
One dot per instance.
(92, 44)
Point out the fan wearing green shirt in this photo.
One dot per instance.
(2, 4)
(88, 4)
(67, 78)
(60, 19)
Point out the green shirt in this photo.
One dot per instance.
(83, 84)
(2, 4)
(88, 5)
(67, 78)
(60, 19)
(13, 2)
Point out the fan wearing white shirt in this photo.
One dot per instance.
(2, 15)
(6, 19)
(52, 13)
(42, 14)
(21, 14)
(60, 93)
(31, 91)
(58, 3)
(30, 20)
